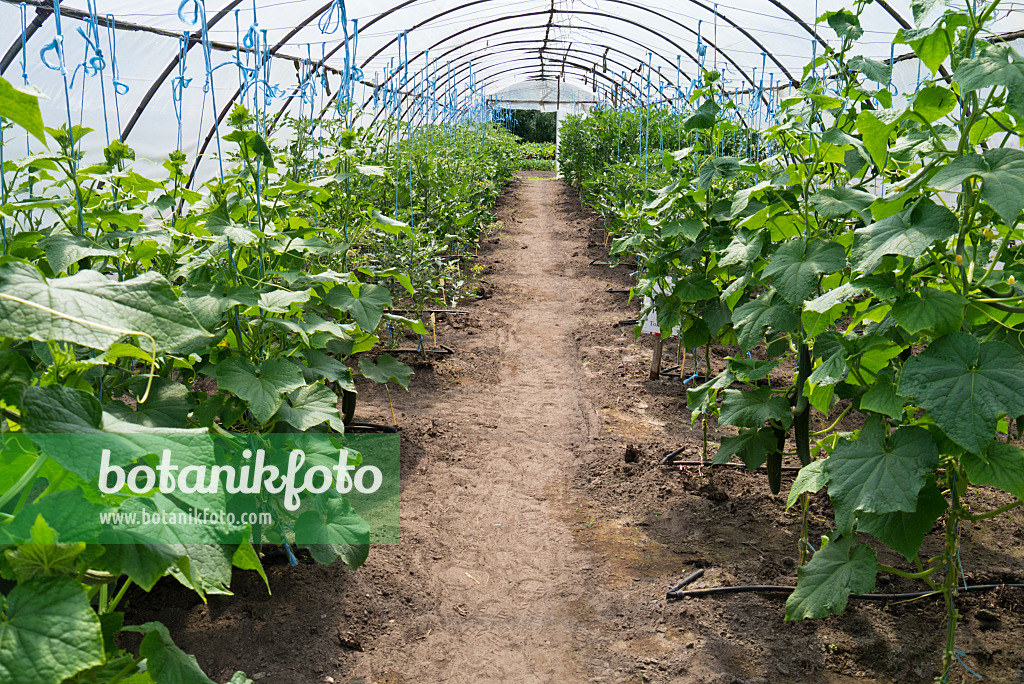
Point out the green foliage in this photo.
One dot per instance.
(531, 125)
(137, 309)
(875, 247)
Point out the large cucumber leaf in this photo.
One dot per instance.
(1002, 178)
(21, 105)
(165, 662)
(1002, 465)
(796, 265)
(261, 388)
(91, 310)
(767, 311)
(903, 531)
(310, 406)
(364, 301)
(995, 65)
(824, 585)
(908, 233)
(753, 408)
(334, 522)
(48, 632)
(965, 385)
(879, 473)
(386, 368)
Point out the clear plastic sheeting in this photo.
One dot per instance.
(546, 96)
(164, 75)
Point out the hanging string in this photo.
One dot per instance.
(57, 46)
(115, 72)
(199, 18)
(333, 18)
(179, 82)
(24, 48)
(94, 65)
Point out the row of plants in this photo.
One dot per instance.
(140, 312)
(870, 243)
(537, 156)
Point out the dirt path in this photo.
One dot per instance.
(508, 572)
(536, 549)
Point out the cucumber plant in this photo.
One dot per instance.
(872, 245)
(139, 311)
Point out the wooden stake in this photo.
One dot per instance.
(443, 298)
(656, 358)
(433, 328)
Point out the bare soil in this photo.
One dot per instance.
(539, 533)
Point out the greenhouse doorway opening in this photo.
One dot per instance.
(544, 96)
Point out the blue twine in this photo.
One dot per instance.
(24, 48)
(57, 46)
(199, 18)
(292, 560)
(333, 18)
(960, 658)
(115, 72)
(179, 82)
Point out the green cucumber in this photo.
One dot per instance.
(773, 460)
(802, 408)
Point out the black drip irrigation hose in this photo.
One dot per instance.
(666, 461)
(689, 579)
(443, 350)
(360, 426)
(773, 589)
(430, 311)
(612, 290)
(694, 380)
(598, 262)
(626, 322)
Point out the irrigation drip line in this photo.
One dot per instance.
(696, 379)
(774, 589)
(631, 321)
(443, 350)
(689, 579)
(614, 291)
(430, 311)
(785, 469)
(598, 262)
(665, 461)
(360, 426)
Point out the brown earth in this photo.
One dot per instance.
(539, 534)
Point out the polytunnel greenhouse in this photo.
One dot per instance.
(533, 341)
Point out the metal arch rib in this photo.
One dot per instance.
(533, 28)
(582, 68)
(748, 77)
(151, 93)
(37, 22)
(479, 38)
(606, 15)
(578, 67)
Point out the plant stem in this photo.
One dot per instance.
(26, 479)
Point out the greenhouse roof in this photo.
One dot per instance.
(163, 74)
(546, 96)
